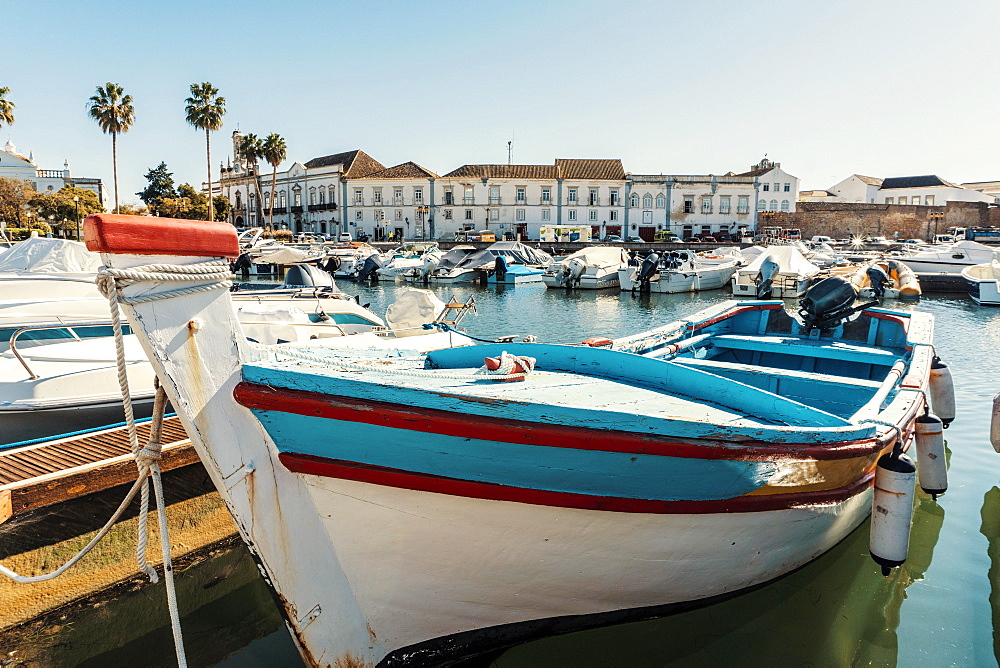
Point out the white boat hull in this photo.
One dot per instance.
(785, 286)
(670, 282)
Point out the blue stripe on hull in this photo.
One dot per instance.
(593, 472)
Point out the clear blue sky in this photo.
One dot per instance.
(885, 88)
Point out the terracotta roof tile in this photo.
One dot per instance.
(504, 172)
(407, 170)
(356, 164)
(870, 180)
(576, 168)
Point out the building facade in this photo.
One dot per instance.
(13, 165)
(927, 190)
(354, 193)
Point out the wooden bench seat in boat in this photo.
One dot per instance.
(796, 346)
(824, 379)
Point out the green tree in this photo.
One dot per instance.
(273, 150)
(188, 203)
(161, 187)
(62, 210)
(205, 109)
(14, 197)
(222, 207)
(251, 148)
(113, 111)
(6, 107)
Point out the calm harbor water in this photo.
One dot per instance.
(941, 608)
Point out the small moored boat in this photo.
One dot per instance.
(983, 282)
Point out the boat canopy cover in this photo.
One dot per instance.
(411, 310)
(285, 255)
(788, 258)
(514, 251)
(599, 255)
(454, 256)
(50, 256)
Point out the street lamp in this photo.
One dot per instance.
(76, 203)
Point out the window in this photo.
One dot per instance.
(614, 197)
(297, 199)
(399, 214)
(332, 193)
(572, 214)
(494, 194)
(888, 200)
(519, 214)
(397, 196)
(267, 196)
(788, 187)
(743, 204)
(774, 205)
(689, 204)
(661, 201)
(468, 214)
(929, 200)
(520, 195)
(377, 196)
(761, 205)
(593, 214)
(767, 186)
(706, 205)
(546, 195)
(468, 195)
(594, 199)
(379, 215)
(447, 214)
(784, 205)
(777, 187)
(494, 214)
(281, 197)
(239, 202)
(359, 198)
(634, 199)
(614, 214)
(359, 216)
(573, 196)
(322, 195)
(706, 229)
(312, 198)
(418, 196)
(449, 197)
(546, 214)
(647, 201)
(724, 204)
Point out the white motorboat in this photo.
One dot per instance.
(346, 259)
(678, 271)
(438, 262)
(402, 261)
(951, 259)
(782, 272)
(477, 267)
(983, 281)
(591, 268)
(37, 269)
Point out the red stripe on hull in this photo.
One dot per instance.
(422, 482)
(436, 421)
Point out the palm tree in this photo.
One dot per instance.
(114, 112)
(6, 108)
(251, 147)
(205, 109)
(274, 151)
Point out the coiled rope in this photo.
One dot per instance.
(110, 282)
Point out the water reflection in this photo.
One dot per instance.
(991, 529)
(836, 611)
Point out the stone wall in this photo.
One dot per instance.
(840, 220)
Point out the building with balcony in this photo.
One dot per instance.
(690, 205)
(13, 165)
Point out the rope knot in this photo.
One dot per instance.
(148, 456)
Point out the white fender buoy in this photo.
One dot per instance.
(932, 469)
(892, 510)
(942, 391)
(995, 424)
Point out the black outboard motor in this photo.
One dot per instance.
(765, 279)
(369, 268)
(633, 259)
(650, 265)
(332, 265)
(879, 281)
(307, 276)
(828, 303)
(500, 267)
(242, 265)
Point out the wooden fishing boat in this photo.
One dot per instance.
(407, 509)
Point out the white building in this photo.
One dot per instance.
(690, 205)
(856, 188)
(989, 188)
(13, 165)
(777, 189)
(927, 190)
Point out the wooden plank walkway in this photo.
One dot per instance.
(38, 475)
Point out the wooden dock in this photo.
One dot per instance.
(41, 474)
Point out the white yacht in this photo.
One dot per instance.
(591, 268)
(950, 259)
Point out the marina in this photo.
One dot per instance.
(856, 613)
